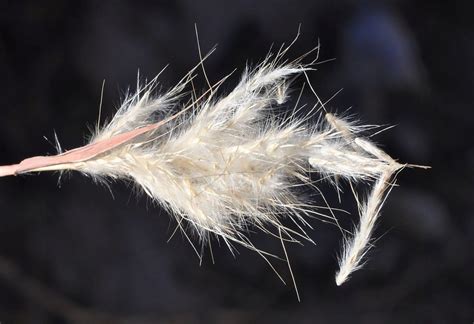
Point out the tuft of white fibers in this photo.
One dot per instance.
(228, 164)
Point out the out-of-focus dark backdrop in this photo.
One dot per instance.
(77, 253)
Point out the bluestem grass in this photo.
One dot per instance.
(225, 164)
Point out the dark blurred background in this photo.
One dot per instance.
(76, 253)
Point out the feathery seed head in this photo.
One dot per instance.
(225, 163)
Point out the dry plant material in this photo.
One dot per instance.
(226, 164)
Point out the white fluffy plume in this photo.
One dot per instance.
(227, 163)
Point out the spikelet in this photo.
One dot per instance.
(224, 164)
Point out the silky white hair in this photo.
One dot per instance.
(228, 163)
